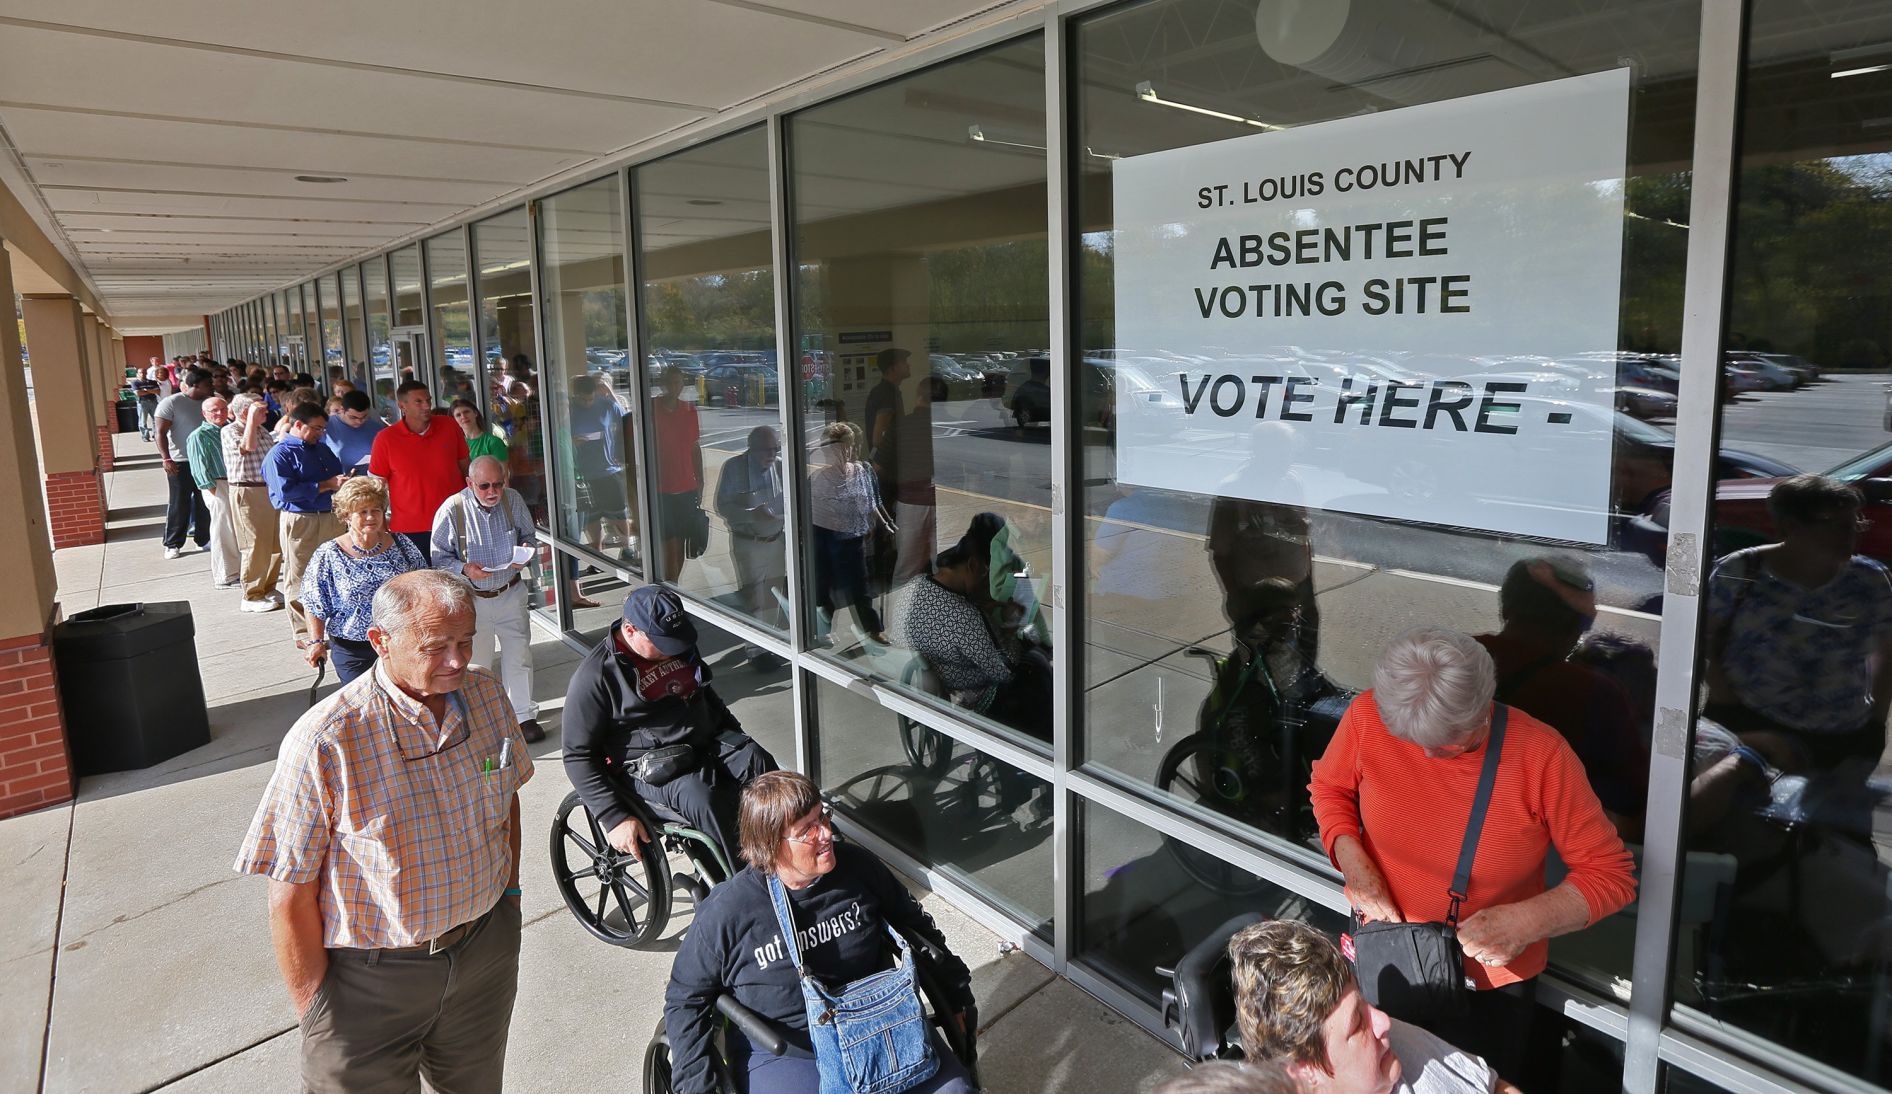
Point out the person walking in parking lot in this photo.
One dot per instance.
(399, 941)
(205, 447)
(178, 416)
(303, 476)
(424, 458)
(245, 443)
(476, 533)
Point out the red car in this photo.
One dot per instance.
(1742, 520)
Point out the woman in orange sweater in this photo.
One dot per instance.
(1393, 793)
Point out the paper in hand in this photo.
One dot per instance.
(522, 555)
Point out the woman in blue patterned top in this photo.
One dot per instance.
(338, 587)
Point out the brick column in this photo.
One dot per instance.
(104, 389)
(65, 402)
(35, 763)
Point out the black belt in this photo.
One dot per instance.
(446, 940)
(756, 538)
(488, 594)
(249, 484)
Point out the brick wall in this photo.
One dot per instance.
(35, 764)
(105, 447)
(77, 508)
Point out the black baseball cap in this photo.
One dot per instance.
(658, 615)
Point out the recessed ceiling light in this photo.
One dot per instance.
(704, 201)
(320, 178)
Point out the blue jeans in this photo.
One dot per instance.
(350, 658)
(766, 1074)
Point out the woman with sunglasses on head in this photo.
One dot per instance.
(841, 901)
(1547, 606)
(1799, 633)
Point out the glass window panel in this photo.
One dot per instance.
(1312, 589)
(926, 255)
(409, 306)
(504, 254)
(279, 332)
(374, 280)
(595, 596)
(708, 307)
(334, 363)
(453, 332)
(1148, 897)
(1785, 892)
(581, 277)
(980, 821)
(298, 337)
(356, 323)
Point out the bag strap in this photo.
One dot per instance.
(459, 526)
(785, 918)
(1475, 824)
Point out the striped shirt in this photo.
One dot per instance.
(394, 814)
(1409, 812)
(205, 449)
(238, 465)
(490, 535)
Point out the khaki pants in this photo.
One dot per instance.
(381, 1021)
(225, 564)
(503, 624)
(302, 533)
(259, 539)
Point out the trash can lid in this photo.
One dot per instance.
(117, 631)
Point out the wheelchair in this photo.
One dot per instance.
(624, 899)
(770, 1038)
(1199, 1004)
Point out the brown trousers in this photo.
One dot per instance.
(258, 539)
(382, 1021)
(302, 533)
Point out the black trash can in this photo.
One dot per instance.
(128, 416)
(129, 681)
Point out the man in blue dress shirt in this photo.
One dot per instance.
(302, 475)
(351, 433)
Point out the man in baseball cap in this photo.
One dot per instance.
(640, 708)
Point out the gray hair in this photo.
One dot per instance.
(494, 460)
(401, 600)
(1434, 686)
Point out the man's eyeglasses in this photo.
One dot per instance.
(822, 827)
(489, 485)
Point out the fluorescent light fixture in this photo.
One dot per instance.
(978, 133)
(1868, 69)
(1148, 94)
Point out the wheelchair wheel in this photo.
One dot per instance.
(1197, 772)
(657, 1062)
(616, 897)
(928, 750)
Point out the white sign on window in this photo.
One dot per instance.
(1407, 314)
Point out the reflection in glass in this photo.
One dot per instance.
(504, 258)
(454, 377)
(586, 368)
(922, 304)
(1786, 901)
(951, 808)
(1148, 897)
(334, 367)
(374, 280)
(409, 309)
(298, 337)
(355, 321)
(1226, 625)
(708, 307)
(279, 304)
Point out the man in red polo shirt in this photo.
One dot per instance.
(424, 459)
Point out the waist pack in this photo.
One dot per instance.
(1416, 971)
(870, 1035)
(658, 766)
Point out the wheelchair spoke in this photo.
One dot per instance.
(590, 850)
(603, 892)
(624, 905)
(589, 871)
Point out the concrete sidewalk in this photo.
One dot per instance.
(132, 958)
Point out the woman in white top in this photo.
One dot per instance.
(844, 503)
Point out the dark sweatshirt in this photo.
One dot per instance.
(606, 719)
(735, 945)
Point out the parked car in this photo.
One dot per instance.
(1776, 377)
(1644, 373)
(737, 384)
(1645, 403)
(1742, 519)
(1738, 379)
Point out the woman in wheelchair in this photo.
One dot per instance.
(842, 900)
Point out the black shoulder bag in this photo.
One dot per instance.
(1416, 971)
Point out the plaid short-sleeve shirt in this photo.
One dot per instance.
(402, 819)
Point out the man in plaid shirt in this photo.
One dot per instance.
(390, 835)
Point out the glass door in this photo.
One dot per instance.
(408, 356)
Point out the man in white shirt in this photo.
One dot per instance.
(1298, 1006)
(476, 536)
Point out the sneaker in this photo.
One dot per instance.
(173, 552)
(262, 605)
(234, 583)
(533, 731)
(275, 597)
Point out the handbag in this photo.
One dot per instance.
(1416, 971)
(870, 1035)
(696, 534)
(658, 766)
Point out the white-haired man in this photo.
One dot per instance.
(477, 535)
(390, 835)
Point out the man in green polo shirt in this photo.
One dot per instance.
(204, 447)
